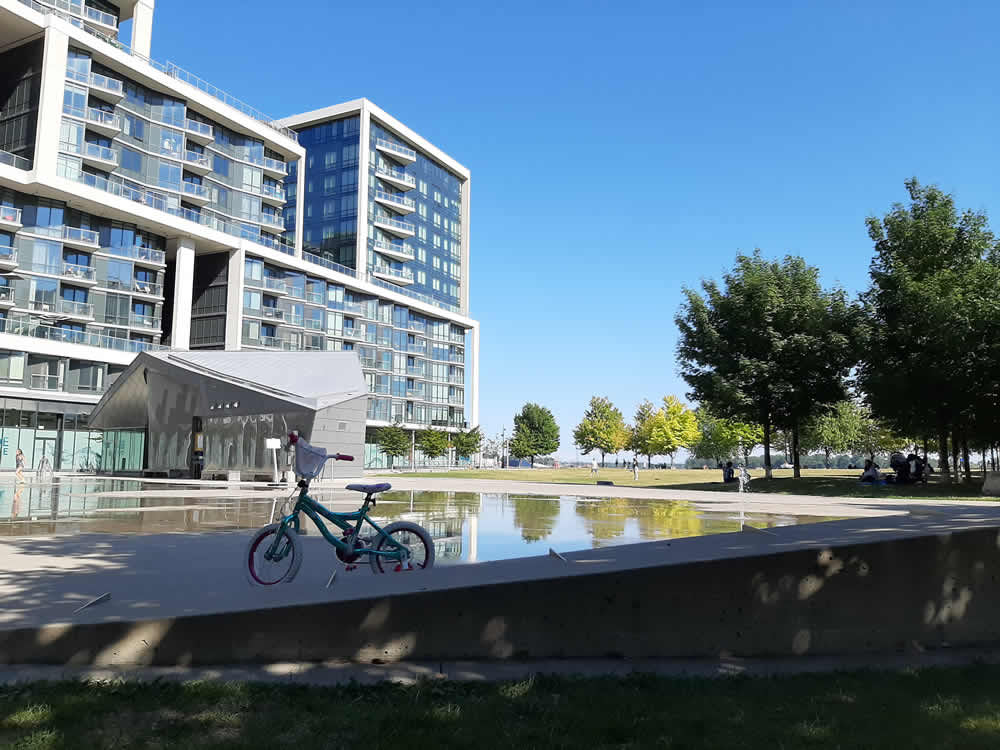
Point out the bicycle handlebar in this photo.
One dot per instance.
(342, 457)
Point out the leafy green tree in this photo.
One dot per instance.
(674, 426)
(467, 443)
(393, 441)
(769, 346)
(836, 430)
(640, 436)
(720, 439)
(602, 428)
(874, 436)
(432, 443)
(535, 433)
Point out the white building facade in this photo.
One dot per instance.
(142, 209)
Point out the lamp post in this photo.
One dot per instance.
(503, 447)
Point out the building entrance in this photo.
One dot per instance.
(45, 447)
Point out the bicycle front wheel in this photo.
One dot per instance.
(411, 536)
(285, 563)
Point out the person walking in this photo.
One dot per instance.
(19, 465)
(593, 467)
(635, 468)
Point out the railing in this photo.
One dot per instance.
(97, 151)
(399, 273)
(200, 128)
(147, 287)
(315, 325)
(27, 327)
(94, 115)
(457, 338)
(415, 349)
(271, 313)
(42, 306)
(6, 294)
(201, 160)
(396, 174)
(145, 321)
(396, 148)
(76, 234)
(13, 160)
(193, 189)
(403, 226)
(272, 220)
(154, 200)
(78, 271)
(76, 309)
(45, 382)
(99, 16)
(396, 200)
(387, 247)
(10, 214)
(135, 252)
(309, 257)
(294, 319)
(122, 285)
(415, 371)
(274, 191)
(276, 285)
(108, 84)
(275, 165)
(456, 380)
(351, 333)
(316, 298)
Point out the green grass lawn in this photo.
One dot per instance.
(936, 708)
(823, 482)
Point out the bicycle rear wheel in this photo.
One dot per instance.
(264, 572)
(415, 538)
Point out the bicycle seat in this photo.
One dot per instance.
(370, 489)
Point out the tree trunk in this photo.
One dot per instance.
(602, 459)
(797, 470)
(954, 454)
(767, 449)
(827, 452)
(943, 453)
(649, 460)
(965, 458)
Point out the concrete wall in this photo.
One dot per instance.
(887, 595)
(341, 429)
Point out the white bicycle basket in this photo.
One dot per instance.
(309, 460)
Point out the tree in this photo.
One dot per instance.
(874, 436)
(837, 430)
(721, 439)
(640, 438)
(432, 443)
(674, 426)
(535, 433)
(602, 428)
(770, 346)
(393, 441)
(467, 443)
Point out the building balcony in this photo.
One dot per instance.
(195, 193)
(79, 275)
(273, 195)
(401, 276)
(75, 310)
(10, 218)
(144, 256)
(13, 160)
(315, 298)
(147, 288)
(41, 382)
(148, 322)
(396, 227)
(199, 132)
(35, 329)
(351, 333)
(401, 154)
(268, 313)
(77, 237)
(396, 252)
(266, 342)
(200, 164)
(99, 156)
(396, 177)
(399, 203)
(6, 297)
(278, 286)
(109, 89)
(103, 21)
(8, 259)
(272, 167)
(273, 221)
(105, 123)
(44, 307)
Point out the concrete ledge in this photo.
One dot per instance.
(991, 485)
(885, 595)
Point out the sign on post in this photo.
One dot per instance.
(273, 445)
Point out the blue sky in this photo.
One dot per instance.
(621, 150)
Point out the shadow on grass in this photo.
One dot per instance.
(834, 486)
(935, 708)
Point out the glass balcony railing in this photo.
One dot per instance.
(142, 254)
(272, 220)
(194, 190)
(78, 272)
(277, 285)
(272, 165)
(145, 321)
(34, 329)
(100, 17)
(42, 306)
(406, 153)
(199, 128)
(6, 294)
(403, 274)
(41, 382)
(102, 153)
(315, 325)
(273, 191)
(415, 371)
(13, 160)
(10, 215)
(397, 224)
(395, 250)
(387, 172)
(329, 264)
(271, 313)
(316, 298)
(202, 161)
(81, 236)
(351, 333)
(147, 287)
(105, 83)
(407, 204)
(76, 309)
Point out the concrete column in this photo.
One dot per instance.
(180, 331)
(234, 300)
(51, 102)
(364, 154)
(472, 383)
(142, 27)
(463, 297)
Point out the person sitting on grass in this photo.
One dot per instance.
(728, 474)
(870, 474)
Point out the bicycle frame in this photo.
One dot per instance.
(315, 510)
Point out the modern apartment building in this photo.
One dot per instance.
(142, 208)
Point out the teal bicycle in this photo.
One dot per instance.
(274, 554)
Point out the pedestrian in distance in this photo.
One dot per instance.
(635, 468)
(19, 465)
(593, 467)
